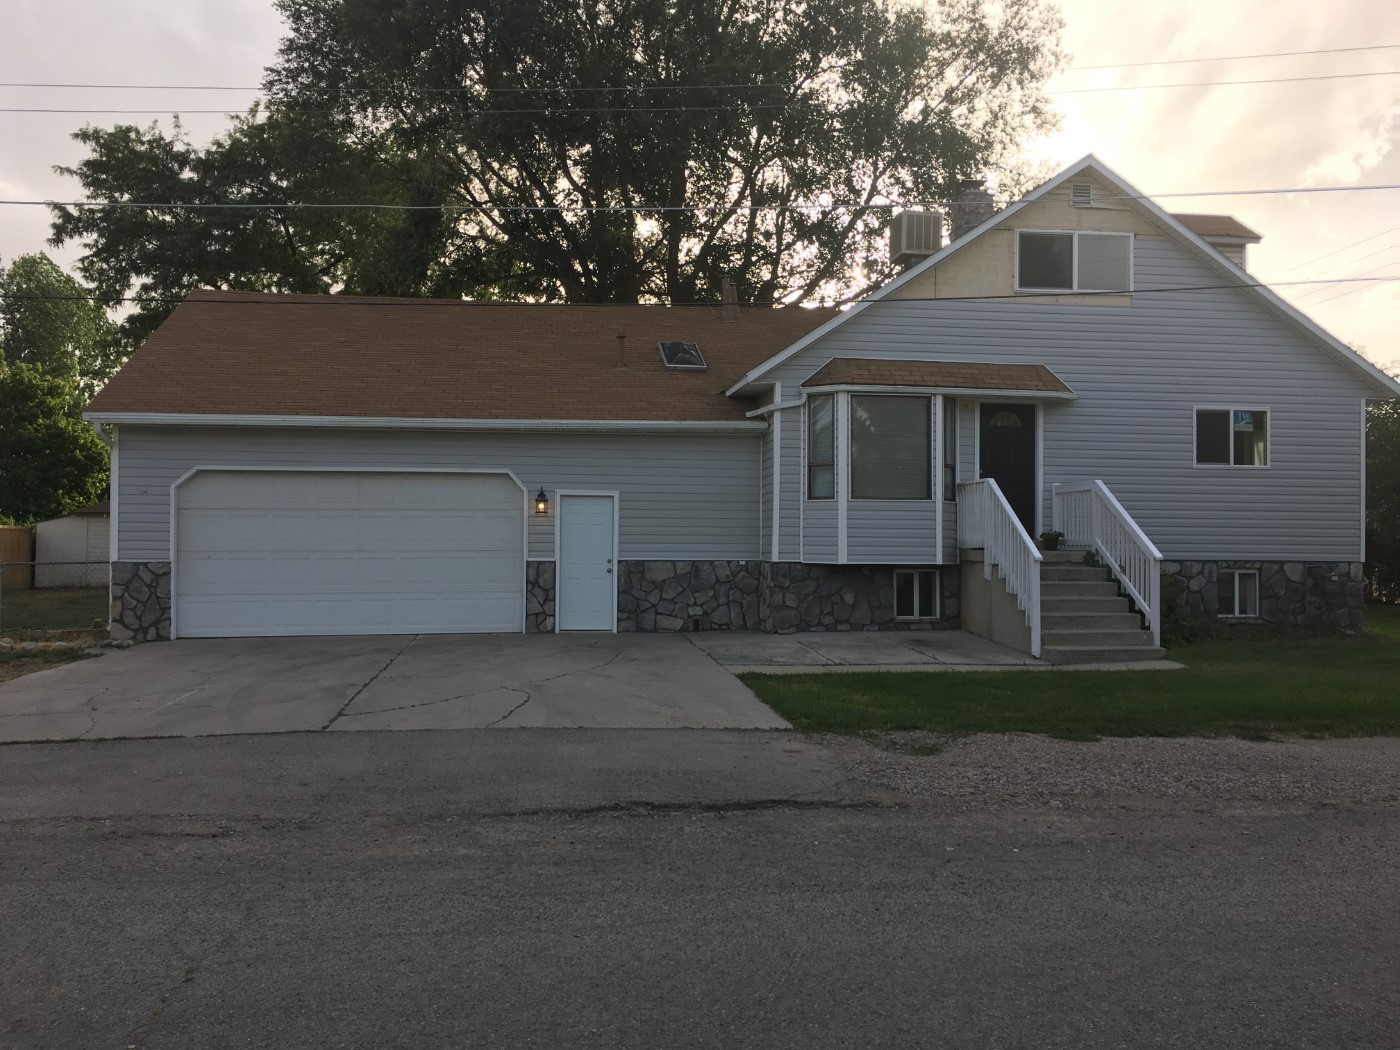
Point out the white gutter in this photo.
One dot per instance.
(982, 392)
(189, 419)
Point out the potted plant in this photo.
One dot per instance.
(1050, 539)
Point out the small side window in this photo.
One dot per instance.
(821, 447)
(950, 449)
(1238, 591)
(916, 594)
(1232, 437)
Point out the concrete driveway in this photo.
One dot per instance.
(290, 685)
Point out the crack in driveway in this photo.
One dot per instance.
(356, 695)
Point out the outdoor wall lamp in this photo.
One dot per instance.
(541, 502)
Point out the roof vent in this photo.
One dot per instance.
(681, 357)
(1081, 195)
(915, 235)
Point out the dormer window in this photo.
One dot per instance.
(1073, 262)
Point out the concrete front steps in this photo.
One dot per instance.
(1083, 618)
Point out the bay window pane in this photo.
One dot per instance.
(890, 448)
(1104, 262)
(821, 447)
(1045, 260)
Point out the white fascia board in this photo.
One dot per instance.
(1388, 385)
(411, 423)
(914, 271)
(951, 391)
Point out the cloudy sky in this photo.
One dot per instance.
(1307, 133)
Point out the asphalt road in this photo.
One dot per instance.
(349, 891)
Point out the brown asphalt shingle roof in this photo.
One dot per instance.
(243, 353)
(1216, 226)
(951, 375)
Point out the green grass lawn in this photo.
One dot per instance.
(1310, 686)
(52, 609)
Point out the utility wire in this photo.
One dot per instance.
(667, 87)
(564, 110)
(1343, 248)
(1222, 83)
(629, 208)
(336, 300)
(1229, 58)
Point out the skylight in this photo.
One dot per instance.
(681, 357)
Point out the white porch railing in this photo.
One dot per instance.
(1091, 517)
(987, 521)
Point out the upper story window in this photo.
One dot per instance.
(1232, 437)
(821, 447)
(1074, 262)
(891, 455)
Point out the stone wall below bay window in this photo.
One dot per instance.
(801, 597)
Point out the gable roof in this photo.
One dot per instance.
(948, 375)
(1384, 384)
(251, 354)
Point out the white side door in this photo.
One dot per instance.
(587, 583)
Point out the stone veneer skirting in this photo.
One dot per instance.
(140, 601)
(1291, 593)
(780, 597)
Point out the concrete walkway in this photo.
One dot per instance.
(834, 652)
(289, 685)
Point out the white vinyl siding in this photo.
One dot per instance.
(1140, 372)
(682, 496)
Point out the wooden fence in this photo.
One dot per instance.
(17, 544)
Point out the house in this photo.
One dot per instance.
(72, 551)
(1080, 360)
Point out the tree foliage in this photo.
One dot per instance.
(1383, 499)
(51, 462)
(46, 320)
(595, 151)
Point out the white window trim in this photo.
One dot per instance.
(1074, 264)
(937, 613)
(1235, 595)
(1268, 438)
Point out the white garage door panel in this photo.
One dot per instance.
(268, 553)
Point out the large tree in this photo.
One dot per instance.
(594, 151)
(1383, 499)
(47, 319)
(51, 462)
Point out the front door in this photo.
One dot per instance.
(587, 585)
(1006, 451)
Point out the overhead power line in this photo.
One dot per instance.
(626, 208)
(660, 87)
(567, 109)
(1343, 248)
(1233, 58)
(344, 301)
(1223, 83)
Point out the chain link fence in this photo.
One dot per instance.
(53, 598)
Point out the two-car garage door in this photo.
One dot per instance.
(300, 552)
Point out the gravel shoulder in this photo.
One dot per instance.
(1016, 770)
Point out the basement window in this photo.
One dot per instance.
(1238, 591)
(916, 594)
(1232, 437)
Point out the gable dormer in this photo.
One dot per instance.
(1225, 233)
